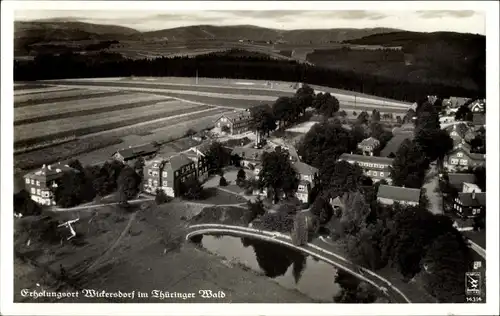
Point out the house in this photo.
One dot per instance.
(167, 174)
(478, 106)
(41, 183)
(461, 158)
(128, 155)
(389, 195)
(368, 146)
(470, 204)
(236, 122)
(198, 155)
(479, 120)
(308, 176)
(455, 102)
(377, 168)
(250, 157)
(457, 180)
(470, 187)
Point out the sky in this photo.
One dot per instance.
(464, 21)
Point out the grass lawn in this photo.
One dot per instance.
(219, 197)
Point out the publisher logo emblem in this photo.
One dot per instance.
(473, 283)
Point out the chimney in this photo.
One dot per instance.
(49, 167)
(474, 194)
(43, 166)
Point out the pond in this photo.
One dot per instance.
(289, 268)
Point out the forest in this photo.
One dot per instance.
(217, 65)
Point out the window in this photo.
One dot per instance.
(150, 172)
(155, 165)
(37, 183)
(375, 173)
(155, 183)
(368, 172)
(150, 181)
(27, 181)
(381, 174)
(463, 162)
(474, 212)
(155, 173)
(38, 192)
(33, 191)
(478, 211)
(460, 154)
(45, 194)
(165, 174)
(32, 182)
(454, 161)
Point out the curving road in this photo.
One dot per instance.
(366, 275)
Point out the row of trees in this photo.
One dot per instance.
(226, 66)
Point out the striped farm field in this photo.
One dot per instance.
(33, 133)
(28, 93)
(83, 107)
(63, 95)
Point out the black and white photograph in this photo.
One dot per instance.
(286, 153)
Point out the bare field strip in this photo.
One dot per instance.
(227, 82)
(24, 135)
(26, 94)
(191, 88)
(83, 107)
(68, 124)
(98, 148)
(74, 95)
(19, 86)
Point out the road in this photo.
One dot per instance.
(338, 261)
(432, 190)
(478, 249)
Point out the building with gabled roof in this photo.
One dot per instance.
(126, 155)
(237, 122)
(479, 120)
(389, 195)
(167, 174)
(41, 183)
(368, 146)
(377, 168)
(470, 204)
(457, 180)
(460, 158)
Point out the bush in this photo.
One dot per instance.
(225, 129)
(23, 204)
(191, 189)
(222, 181)
(241, 175)
(161, 197)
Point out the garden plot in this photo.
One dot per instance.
(27, 92)
(61, 126)
(82, 106)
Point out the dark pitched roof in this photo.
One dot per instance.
(461, 129)
(465, 148)
(137, 151)
(467, 200)
(303, 168)
(392, 145)
(248, 153)
(362, 158)
(238, 116)
(49, 172)
(479, 119)
(456, 180)
(398, 193)
(370, 141)
(178, 161)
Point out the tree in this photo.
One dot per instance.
(283, 110)
(73, 189)
(139, 167)
(322, 209)
(161, 197)
(375, 115)
(222, 181)
(278, 174)
(480, 173)
(399, 120)
(304, 96)
(128, 184)
(478, 144)
(363, 117)
(409, 166)
(300, 230)
(263, 119)
(255, 209)
(241, 176)
(225, 129)
(355, 213)
(342, 113)
(435, 143)
(326, 104)
(340, 177)
(464, 114)
(358, 133)
(325, 141)
(106, 180)
(24, 205)
(191, 189)
(218, 157)
(408, 118)
(446, 263)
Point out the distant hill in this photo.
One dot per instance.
(254, 33)
(449, 57)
